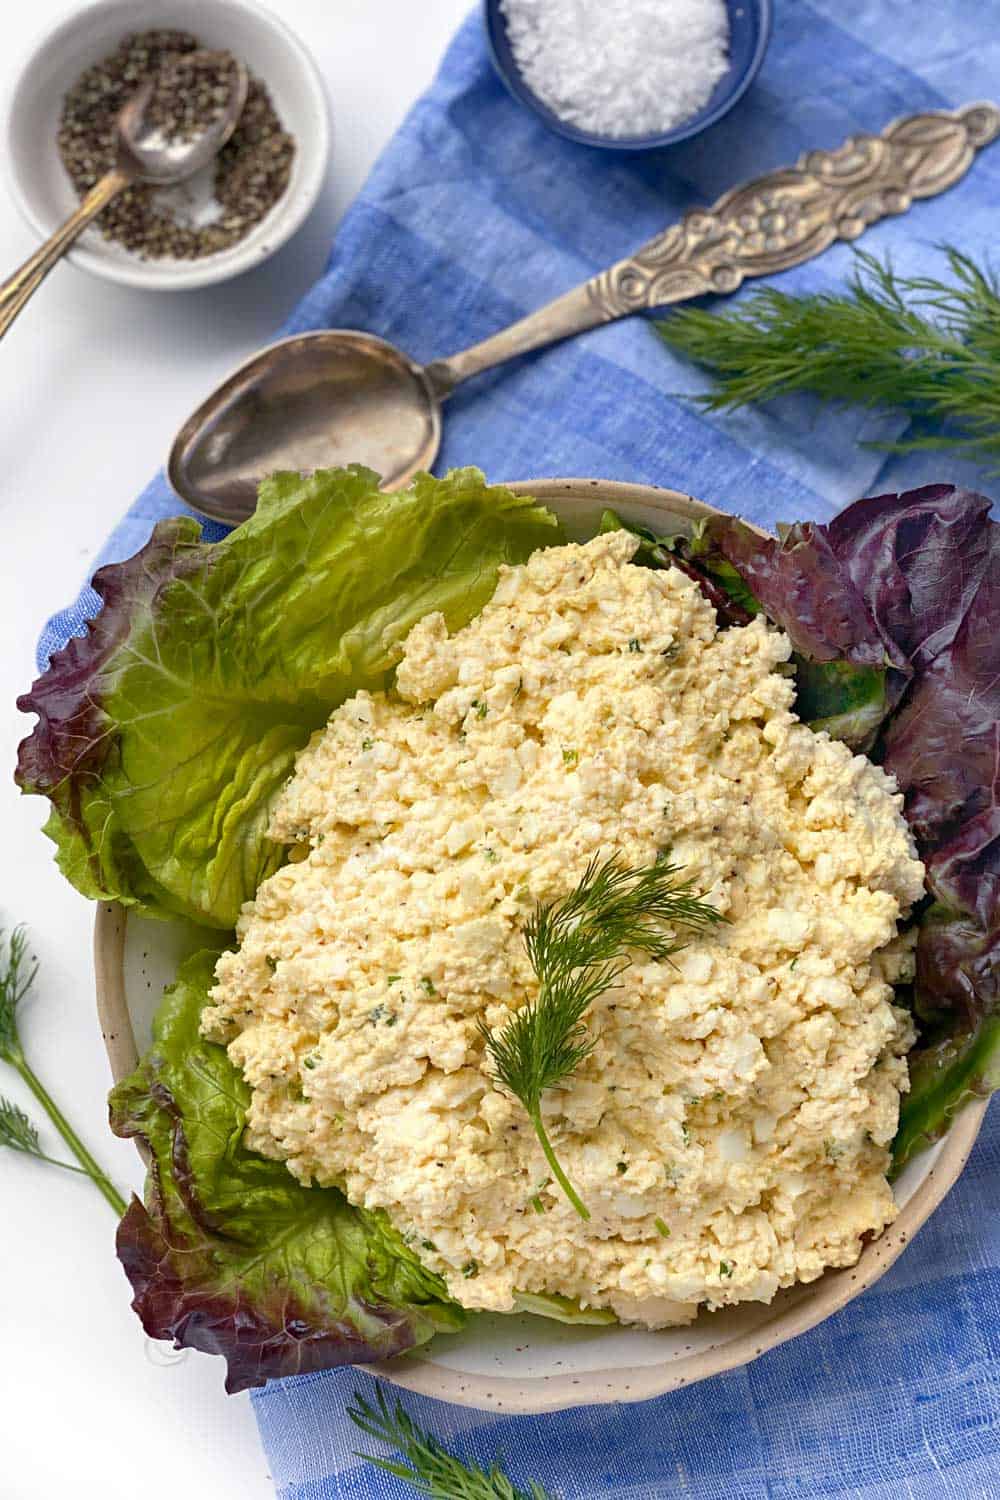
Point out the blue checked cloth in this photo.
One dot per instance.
(475, 215)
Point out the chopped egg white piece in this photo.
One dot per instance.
(729, 1132)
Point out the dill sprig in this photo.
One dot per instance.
(891, 341)
(17, 974)
(578, 947)
(428, 1466)
(18, 1133)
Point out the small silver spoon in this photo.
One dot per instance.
(341, 396)
(143, 153)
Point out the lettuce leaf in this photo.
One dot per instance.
(892, 611)
(232, 1256)
(563, 1309)
(166, 731)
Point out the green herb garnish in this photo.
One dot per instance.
(891, 341)
(661, 1228)
(578, 947)
(424, 1463)
(16, 1130)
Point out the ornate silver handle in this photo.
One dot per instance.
(767, 225)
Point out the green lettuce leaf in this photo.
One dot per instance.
(562, 1309)
(165, 733)
(232, 1256)
(846, 700)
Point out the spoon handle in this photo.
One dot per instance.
(17, 289)
(767, 225)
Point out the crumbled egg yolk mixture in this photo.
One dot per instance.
(729, 1132)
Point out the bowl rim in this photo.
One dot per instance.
(181, 276)
(519, 1395)
(702, 119)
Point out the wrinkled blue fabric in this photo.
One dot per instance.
(474, 215)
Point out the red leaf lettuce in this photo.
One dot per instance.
(230, 1254)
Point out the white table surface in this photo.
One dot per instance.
(94, 379)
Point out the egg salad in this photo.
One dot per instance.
(729, 1131)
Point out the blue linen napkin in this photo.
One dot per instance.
(474, 215)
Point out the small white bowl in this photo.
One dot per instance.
(41, 187)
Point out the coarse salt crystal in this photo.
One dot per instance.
(620, 67)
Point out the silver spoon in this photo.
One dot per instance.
(143, 153)
(341, 396)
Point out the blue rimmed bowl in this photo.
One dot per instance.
(750, 24)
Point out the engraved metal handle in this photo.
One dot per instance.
(18, 288)
(768, 225)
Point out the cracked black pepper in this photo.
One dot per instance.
(251, 171)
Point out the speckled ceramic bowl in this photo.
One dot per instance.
(528, 1364)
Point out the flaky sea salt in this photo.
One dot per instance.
(620, 67)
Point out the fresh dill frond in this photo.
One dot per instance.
(426, 1464)
(578, 947)
(915, 343)
(18, 1133)
(17, 974)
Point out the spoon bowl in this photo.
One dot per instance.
(315, 400)
(146, 154)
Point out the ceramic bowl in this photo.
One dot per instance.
(39, 183)
(750, 23)
(524, 1364)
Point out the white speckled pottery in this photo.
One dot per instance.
(528, 1364)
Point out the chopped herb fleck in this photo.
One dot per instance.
(309, 1062)
(427, 985)
(725, 1268)
(661, 1228)
(470, 1269)
(685, 1135)
(272, 963)
(393, 978)
(428, 1245)
(367, 744)
(491, 856)
(621, 1166)
(634, 645)
(538, 1205)
(570, 757)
